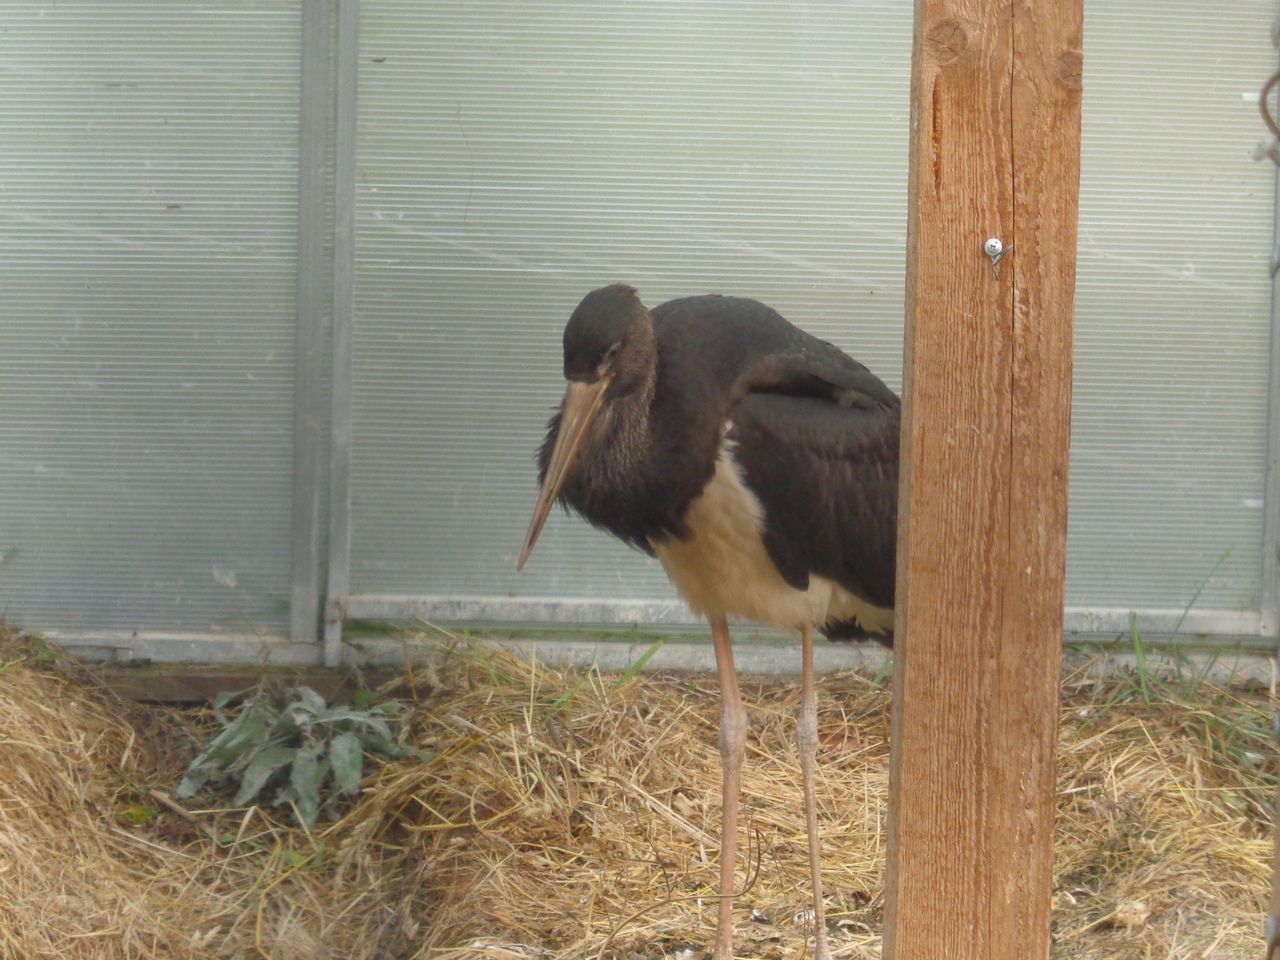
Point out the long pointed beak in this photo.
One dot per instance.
(582, 405)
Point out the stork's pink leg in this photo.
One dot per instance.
(807, 742)
(733, 745)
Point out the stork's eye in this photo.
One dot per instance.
(611, 354)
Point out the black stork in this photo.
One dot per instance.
(759, 465)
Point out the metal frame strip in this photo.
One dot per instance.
(1265, 622)
(310, 376)
(183, 646)
(568, 612)
(344, 196)
(1270, 599)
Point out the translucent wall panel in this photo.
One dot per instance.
(514, 156)
(148, 199)
(1173, 306)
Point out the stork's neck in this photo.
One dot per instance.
(622, 436)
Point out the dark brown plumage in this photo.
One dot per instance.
(814, 433)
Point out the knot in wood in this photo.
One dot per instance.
(947, 42)
(1071, 69)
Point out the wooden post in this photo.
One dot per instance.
(995, 151)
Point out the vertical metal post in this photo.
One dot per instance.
(344, 190)
(1270, 599)
(1271, 490)
(310, 416)
(1270, 594)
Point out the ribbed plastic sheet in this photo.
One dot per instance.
(516, 155)
(1173, 307)
(148, 192)
(511, 157)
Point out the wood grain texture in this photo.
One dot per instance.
(996, 91)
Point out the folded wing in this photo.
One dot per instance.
(819, 449)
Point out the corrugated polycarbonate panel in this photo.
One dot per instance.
(1172, 307)
(148, 194)
(514, 156)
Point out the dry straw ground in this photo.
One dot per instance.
(574, 814)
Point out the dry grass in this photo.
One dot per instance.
(75, 879)
(564, 813)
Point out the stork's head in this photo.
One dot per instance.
(609, 339)
(609, 353)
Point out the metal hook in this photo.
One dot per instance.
(1268, 148)
(1262, 105)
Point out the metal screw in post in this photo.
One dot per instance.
(996, 251)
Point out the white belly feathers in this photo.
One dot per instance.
(723, 569)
